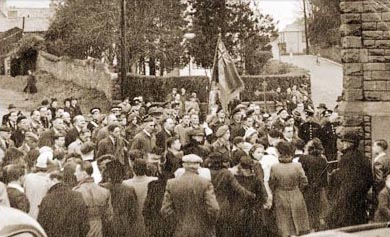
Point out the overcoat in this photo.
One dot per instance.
(289, 206)
(190, 199)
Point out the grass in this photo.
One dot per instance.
(49, 87)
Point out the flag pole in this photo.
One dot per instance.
(215, 64)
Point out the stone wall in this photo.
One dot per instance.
(366, 62)
(89, 74)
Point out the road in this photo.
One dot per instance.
(326, 78)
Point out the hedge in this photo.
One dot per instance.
(157, 88)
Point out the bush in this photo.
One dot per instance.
(155, 88)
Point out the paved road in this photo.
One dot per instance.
(326, 78)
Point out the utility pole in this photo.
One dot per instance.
(306, 35)
(123, 45)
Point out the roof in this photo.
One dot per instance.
(293, 27)
(31, 24)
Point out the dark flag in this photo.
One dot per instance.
(226, 76)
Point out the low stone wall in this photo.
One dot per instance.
(89, 74)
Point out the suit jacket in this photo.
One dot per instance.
(190, 199)
(18, 199)
(328, 138)
(106, 146)
(18, 137)
(162, 137)
(309, 130)
(143, 142)
(63, 212)
(381, 168)
(71, 136)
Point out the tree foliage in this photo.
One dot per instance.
(244, 33)
(324, 22)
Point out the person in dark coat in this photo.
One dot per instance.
(145, 140)
(173, 156)
(155, 224)
(62, 211)
(354, 177)
(123, 200)
(328, 137)
(249, 214)
(73, 133)
(310, 129)
(382, 213)
(113, 145)
(191, 201)
(17, 197)
(22, 127)
(381, 165)
(314, 166)
(165, 133)
(31, 87)
(235, 126)
(226, 189)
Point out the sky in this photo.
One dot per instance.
(283, 11)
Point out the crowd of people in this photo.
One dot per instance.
(148, 170)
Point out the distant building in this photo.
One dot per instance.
(27, 15)
(292, 39)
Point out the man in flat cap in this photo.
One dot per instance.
(222, 144)
(354, 179)
(192, 201)
(96, 118)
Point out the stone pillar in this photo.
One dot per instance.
(366, 65)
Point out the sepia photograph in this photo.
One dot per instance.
(194, 118)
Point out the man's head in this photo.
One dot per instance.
(169, 124)
(191, 162)
(223, 132)
(15, 173)
(83, 171)
(112, 119)
(85, 134)
(13, 116)
(58, 124)
(288, 132)
(55, 177)
(379, 146)
(114, 130)
(43, 111)
(174, 143)
(35, 116)
(66, 117)
(194, 119)
(174, 90)
(59, 139)
(186, 119)
(79, 121)
(140, 167)
(274, 137)
(300, 107)
(96, 113)
(248, 121)
(59, 112)
(150, 125)
(23, 124)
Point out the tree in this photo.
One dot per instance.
(243, 32)
(324, 22)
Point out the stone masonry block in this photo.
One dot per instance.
(373, 95)
(381, 75)
(375, 35)
(353, 69)
(353, 94)
(385, 44)
(374, 16)
(369, 43)
(353, 121)
(376, 52)
(351, 42)
(374, 67)
(351, 18)
(369, 26)
(384, 26)
(350, 55)
(386, 35)
(376, 59)
(387, 67)
(375, 85)
(367, 75)
(351, 7)
(388, 85)
(353, 82)
(385, 16)
(351, 30)
(373, 6)
(387, 52)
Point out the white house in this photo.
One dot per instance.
(292, 39)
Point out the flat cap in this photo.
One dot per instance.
(221, 131)
(192, 158)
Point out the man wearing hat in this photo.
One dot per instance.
(310, 129)
(96, 117)
(5, 119)
(191, 198)
(321, 108)
(196, 144)
(354, 178)
(236, 124)
(328, 136)
(222, 144)
(18, 135)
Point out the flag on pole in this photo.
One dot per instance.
(225, 75)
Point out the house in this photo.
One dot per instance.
(292, 39)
